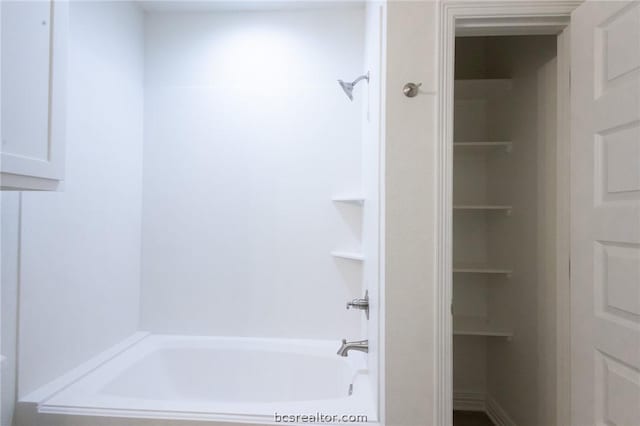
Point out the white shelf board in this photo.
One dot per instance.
(480, 269)
(482, 146)
(475, 326)
(356, 199)
(484, 207)
(348, 255)
(482, 88)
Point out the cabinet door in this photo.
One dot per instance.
(33, 93)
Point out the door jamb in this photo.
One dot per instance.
(508, 17)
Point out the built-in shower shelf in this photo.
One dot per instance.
(480, 269)
(482, 88)
(484, 207)
(482, 147)
(356, 199)
(348, 255)
(476, 326)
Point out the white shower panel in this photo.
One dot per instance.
(247, 138)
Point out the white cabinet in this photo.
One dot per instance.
(34, 56)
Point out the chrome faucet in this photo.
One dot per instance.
(358, 345)
(362, 304)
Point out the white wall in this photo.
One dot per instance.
(80, 252)
(410, 210)
(248, 137)
(10, 218)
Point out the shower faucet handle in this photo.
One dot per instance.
(361, 304)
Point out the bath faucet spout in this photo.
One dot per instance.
(359, 345)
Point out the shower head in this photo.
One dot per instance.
(348, 87)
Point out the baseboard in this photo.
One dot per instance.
(497, 414)
(469, 401)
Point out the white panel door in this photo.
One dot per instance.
(605, 204)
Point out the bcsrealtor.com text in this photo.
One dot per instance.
(319, 418)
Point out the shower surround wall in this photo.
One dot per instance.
(80, 247)
(247, 139)
(204, 151)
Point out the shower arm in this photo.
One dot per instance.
(362, 77)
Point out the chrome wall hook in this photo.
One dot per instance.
(410, 90)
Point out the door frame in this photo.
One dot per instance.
(487, 18)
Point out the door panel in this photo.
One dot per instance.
(605, 213)
(33, 38)
(26, 39)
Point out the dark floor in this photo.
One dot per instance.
(471, 418)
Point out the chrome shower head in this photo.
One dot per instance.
(348, 87)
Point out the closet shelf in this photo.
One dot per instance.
(482, 146)
(351, 199)
(480, 269)
(482, 88)
(484, 207)
(348, 255)
(476, 326)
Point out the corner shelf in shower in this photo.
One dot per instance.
(476, 326)
(482, 146)
(351, 200)
(348, 255)
(481, 88)
(480, 269)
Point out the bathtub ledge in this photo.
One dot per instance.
(43, 393)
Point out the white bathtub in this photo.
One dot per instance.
(224, 379)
